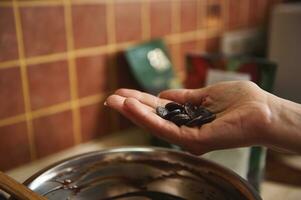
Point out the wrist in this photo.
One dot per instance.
(284, 129)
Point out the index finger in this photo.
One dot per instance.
(195, 96)
(162, 128)
(143, 97)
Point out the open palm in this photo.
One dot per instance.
(241, 109)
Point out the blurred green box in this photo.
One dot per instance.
(151, 66)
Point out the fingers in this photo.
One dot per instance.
(143, 97)
(196, 96)
(117, 102)
(226, 131)
(145, 116)
(160, 127)
(222, 133)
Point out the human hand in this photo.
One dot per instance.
(243, 115)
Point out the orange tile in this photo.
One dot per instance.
(8, 39)
(125, 77)
(234, 14)
(174, 52)
(14, 146)
(188, 15)
(11, 96)
(262, 10)
(186, 48)
(124, 123)
(128, 21)
(214, 12)
(92, 75)
(213, 45)
(43, 30)
(94, 121)
(258, 12)
(160, 15)
(238, 15)
(201, 14)
(89, 25)
(48, 84)
(53, 133)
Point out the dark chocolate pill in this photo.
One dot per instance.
(204, 111)
(161, 111)
(180, 119)
(195, 122)
(200, 120)
(191, 110)
(195, 111)
(172, 113)
(187, 114)
(173, 106)
(209, 118)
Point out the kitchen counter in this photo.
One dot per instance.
(134, 137)
(270, 190)
(277, 191)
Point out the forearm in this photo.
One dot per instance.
(285, 129)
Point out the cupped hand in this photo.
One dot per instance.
(241, 107)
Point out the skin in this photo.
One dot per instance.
(246, 115)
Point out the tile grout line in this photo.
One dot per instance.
(176, 28)
(247, 15)
(53, 109)
(72, 72)
(98, 50)
(46, 58)
(35, 60)
(94, 99)
(6, 4)
(9, 64)
(111, 33)
(226, 15)
(92, 51)
(200, 16)
(24, 79)
(33, 3)
(205, 4)
(61, 107)
(85, 2)
(145, 22)
(110, 17)
(13, 120)
(174, 21)
(176, 15)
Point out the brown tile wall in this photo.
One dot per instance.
(58, 61)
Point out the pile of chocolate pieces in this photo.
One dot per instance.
(187, 114)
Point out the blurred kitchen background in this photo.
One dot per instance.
(59, 59)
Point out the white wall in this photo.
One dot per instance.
(285, 50)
